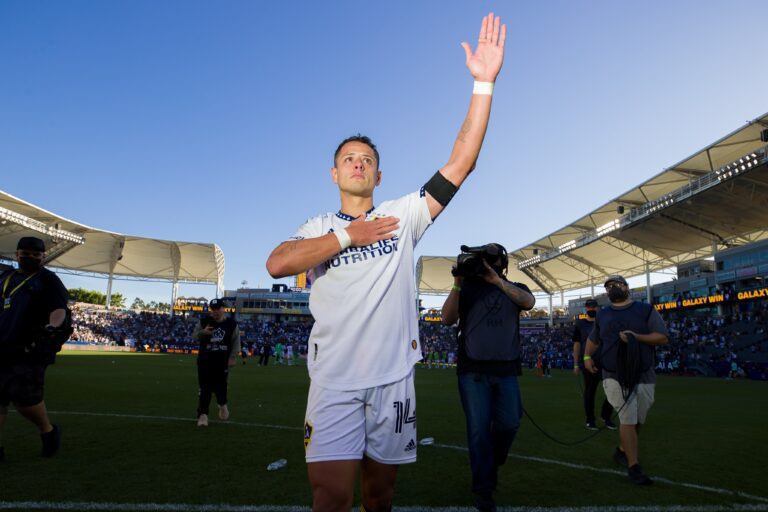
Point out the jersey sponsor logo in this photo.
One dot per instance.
(352, 255)
(308, 428)
(403, 416)
(410, 446)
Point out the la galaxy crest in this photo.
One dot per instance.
(374, 216)
(307, 433)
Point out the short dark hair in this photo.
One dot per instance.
(358, 138)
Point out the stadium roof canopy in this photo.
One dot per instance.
(714, 199)
(79, 248)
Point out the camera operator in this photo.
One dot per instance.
(581, 333)
(219, 339)
(34, 309)
(627, 333)
(487, 307)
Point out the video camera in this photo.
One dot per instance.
(470, 262)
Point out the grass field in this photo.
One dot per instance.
(130, 437)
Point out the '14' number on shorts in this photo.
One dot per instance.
(403, 417)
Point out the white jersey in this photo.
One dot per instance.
(363, 300)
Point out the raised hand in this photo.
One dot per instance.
(364, 232)
(486, 62)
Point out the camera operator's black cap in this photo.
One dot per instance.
(216, 304)
(590, 303)
(616, 279)
(30, 243)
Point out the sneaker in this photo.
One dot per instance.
(51, 442)
(591, 426)
(2, 454)
(202, 420)
(484, 502)
(620, 457)
(636, 476)
(609, 424)
(223, 412)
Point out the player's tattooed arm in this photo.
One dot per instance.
(484, 65)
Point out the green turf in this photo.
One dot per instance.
(702, 431)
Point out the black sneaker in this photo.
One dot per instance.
(2, 454)
(51, 442)
(591, 426)
(610, 425)
(484, 502)
(636, 476)
(620, 457)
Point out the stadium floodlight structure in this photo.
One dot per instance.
(738, 167)
(53, 232)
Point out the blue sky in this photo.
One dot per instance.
(217, 121)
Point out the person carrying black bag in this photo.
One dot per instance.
(488, 308)
(581, 332)
(627, 333)
(33, 325)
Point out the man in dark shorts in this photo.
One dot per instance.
(219, 339)
(581, 333)
(33, 302)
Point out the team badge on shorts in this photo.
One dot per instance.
(413, 344)
(307, 434)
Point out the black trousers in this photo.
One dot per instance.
(591, 381)
(264, 359)
(212, 379)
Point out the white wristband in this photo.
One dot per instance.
(344, 239)
(485, 88)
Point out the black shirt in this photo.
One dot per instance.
(581, 334)
(484, 308)
(31, 305)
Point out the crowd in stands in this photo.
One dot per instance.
(730, 346)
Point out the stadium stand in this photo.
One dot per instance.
(705, 345)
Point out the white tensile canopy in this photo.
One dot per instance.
(715, 199)
(79, 248)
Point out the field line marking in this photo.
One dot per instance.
(621, 473)
(448, 446)
(171, 418)
(190, 507)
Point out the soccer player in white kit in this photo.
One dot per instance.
(361, 409)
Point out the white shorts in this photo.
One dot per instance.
(378, 422)
(636, 409)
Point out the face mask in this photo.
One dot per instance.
(591, 314)
(27, 264)
(617, 295)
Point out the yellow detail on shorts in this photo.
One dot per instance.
(307, 433)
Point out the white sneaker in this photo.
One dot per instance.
(202, 420)
(223, 412)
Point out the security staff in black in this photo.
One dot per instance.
(627, 333)
(488, 307)
(34, 304)
(581, 332)
(219, 339)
